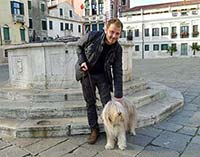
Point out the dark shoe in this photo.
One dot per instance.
(93, 136)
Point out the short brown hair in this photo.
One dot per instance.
(115, 21)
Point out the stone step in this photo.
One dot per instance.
(60, 95)
(24, 110)
(147, 115)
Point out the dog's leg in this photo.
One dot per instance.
(110, 141)
(122, 140)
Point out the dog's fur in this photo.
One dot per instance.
(118, 118)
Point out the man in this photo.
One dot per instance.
(98, 52)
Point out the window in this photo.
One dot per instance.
(173, 45)
(22, 33)
(51, 25)
(101, 7)
(164, 46)
(17, 8)
(164, 31)
(123, 34)
(156, 47)
(70, 13)
(61, 26)
(195, 32)
(123, 2)
(137, 48)
(87, 8)
(173, 29)
(61, 12)
(79, 28)
(130, 35)
(184, 31)
(146, 47)
(44, 25)
(30, 23)
(194, 12)
(184, 13)
(29, 5)
(6, 33)
(146, 32)
(43, 7)
(136, 32)
(87, 28)
(71, 27)
(94, 7)
(155, 32)
(66, 26)
(94, 27)
(101, 26)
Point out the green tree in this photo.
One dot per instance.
(171, 50)
(195, 47)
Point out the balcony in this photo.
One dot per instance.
(184, 34)
(18, 18)
(195, 34)
(173, 35)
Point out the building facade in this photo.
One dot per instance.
(156, 28)
(97, 12)
(13, 22)
(63, 21)
(38, 12)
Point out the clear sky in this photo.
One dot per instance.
(146, 2)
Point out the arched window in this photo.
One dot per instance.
(101, 7)
(6, 32)
(94, 7)
(22, 34)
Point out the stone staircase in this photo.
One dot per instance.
(62, 112)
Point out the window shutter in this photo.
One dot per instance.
(12, 7)
(21, 8)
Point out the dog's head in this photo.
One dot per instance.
(114, 113)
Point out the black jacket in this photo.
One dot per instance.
(89, 49)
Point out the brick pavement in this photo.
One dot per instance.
(177, 136)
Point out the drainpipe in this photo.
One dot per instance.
(1, 42)
(142, 34)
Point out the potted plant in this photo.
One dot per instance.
(171, 50)
(195, 47)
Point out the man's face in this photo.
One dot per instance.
(112, 34)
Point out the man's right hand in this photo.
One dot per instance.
(84, 66)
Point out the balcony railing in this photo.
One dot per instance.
(173, 35)
(195, 34)
(184, 34)
(18, 18)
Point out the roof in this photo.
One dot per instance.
(163, 5)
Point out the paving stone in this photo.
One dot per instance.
(98, 146)
(196, 140)
(191, 151)
(78, 139)
(195, 119)
(131, 151)
(140, 140)
(83, 152)
(59, 150)
(24, 142)
(169, 126)
(44, 144)
(188, 130)
(191, 107)
(153, 151)
(196, 100)
(3, 144)
(174, 141)
(149, 131)
(13, 151)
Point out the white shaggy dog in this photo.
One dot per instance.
(118, 118)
